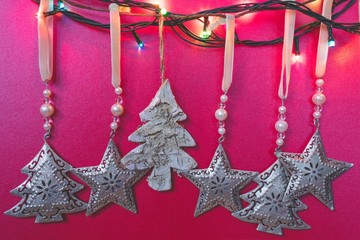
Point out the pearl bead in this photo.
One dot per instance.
(118, 90)
(221, 114)
(223, 98)
(317, 114)
(318, 98)
(114, 125)
(221, 130)
(47, 126)
(281, 126)
(47, 93)
(319, 82)
(47, 110)
(117, 109)
(279, 142)
(282, 109)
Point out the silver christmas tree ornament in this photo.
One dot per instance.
(162, 139)
(48, 192)
(266, 205)
(219, 184)
(312, 172)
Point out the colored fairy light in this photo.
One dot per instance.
(140, 43)
(296, 58)
(163, 11)
(61, 5)
(205, 34)
(331, 43)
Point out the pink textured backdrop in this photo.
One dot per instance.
(83, 96)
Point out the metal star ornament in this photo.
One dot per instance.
(219, 184)
(110, 182)
(312, 172)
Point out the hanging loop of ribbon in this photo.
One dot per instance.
(323, 47)
(289, 30)
(45, 40)
(229, 53)
(115, 35)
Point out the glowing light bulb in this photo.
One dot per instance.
(206, 34)
(141, 45)
(163, 11)
(61, 5)
(331, 43)
(296, 58)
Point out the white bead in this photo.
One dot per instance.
(319, 82)
(317, 114)
(118, 90)
(114, 125)
(282, 109)
(47, 93)
(318, 98)
(281, 126)
(221, 114)
(47, 126)
(279, 142)
(223, 98)
(221, 130)
(47, 110)
(117, 109)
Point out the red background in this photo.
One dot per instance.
(83, 95)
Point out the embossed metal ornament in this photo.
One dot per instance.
(48, 192)
(109, 182)
(267, 207)
(219, 184)
(312, 172)
(162, 138)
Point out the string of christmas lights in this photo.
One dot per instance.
(209, 38)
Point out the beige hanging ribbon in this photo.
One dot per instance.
(289, 29)
(323, 48)
(45, 40)
(229, 52)
(115, 34)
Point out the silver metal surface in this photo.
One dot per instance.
(266, 205)
(162, 138)
(109, 182)
(219, 184)
(312, 172)
(48, 192)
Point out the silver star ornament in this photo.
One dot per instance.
(312, 172)
(110, 182)
(219, 184)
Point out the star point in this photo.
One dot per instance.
(219, 184)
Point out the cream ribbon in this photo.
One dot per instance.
(45, 40)
(323, 48)
(289, 29)
(115, 32)
(229, 52)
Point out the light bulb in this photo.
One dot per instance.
(331, 43)
(296, 58)
(206, 34)
(163, 11)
